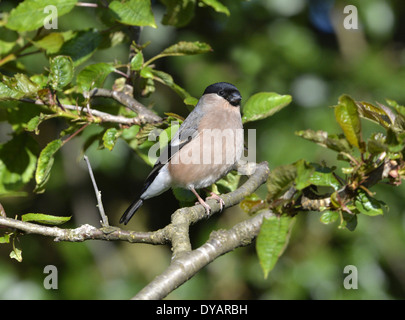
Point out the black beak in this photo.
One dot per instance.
(235, 99)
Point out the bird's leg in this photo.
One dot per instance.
(218, 198)
(202, 202)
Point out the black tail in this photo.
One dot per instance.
(131, 211)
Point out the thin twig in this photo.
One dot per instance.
(103, 116)
(104, 219)
(76, 132)
(86, 4)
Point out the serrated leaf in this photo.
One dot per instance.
(81, 46)
(93, 76)
(45, 162)
(61, 72)
(324, 177)
(272, 240)
(110, 138)
(17, 87)
(264, 104)
(334, 142)
(134, 12)
(367, 204)
(178, 13)
(347, 117)
(44, 218)
(31, 14)
(217, 6)
(280, 180)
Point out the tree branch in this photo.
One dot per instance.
(103, 116)
(186, 266)
(144, 114)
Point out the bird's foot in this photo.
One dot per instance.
(205, 205)
(218, 198)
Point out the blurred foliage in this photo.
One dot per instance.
(293, 47)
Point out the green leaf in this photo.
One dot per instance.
(185, 48)
(304, 173)
(329, 216)
(347, 117)
(264, 104)
(110, 138)
(178, 12)
(134, 12)
(5, 238)
(146, 73)
(324, 177)
(93, 76)
(272, 240)
(16, 253)
(252, 203)
(31, 14)
(374, 113)
(33, 124)
(81, 46)
(137, 61)
(44, 218)
(51, 43)
(45, 162)
(217, 6)
(334, 142)
(229, 183)
(17, 87)
(367, 204)
(18, 158)
(280, 180)
(61, 72)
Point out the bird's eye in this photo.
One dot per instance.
(221, 93)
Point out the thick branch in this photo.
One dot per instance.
(144, 114)
(186, 266)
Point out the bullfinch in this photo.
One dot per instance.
(206, 147)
